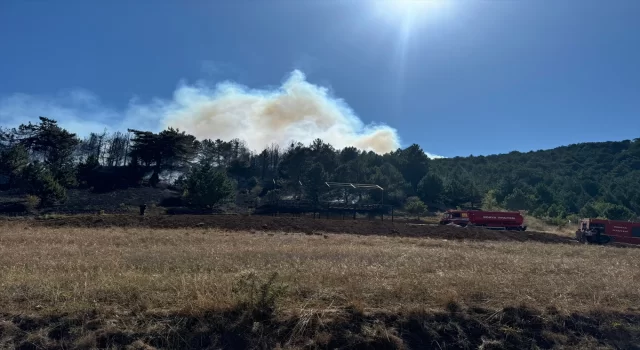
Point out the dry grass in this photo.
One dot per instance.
(536, 224)
(141, 269)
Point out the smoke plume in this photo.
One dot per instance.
(297, 111)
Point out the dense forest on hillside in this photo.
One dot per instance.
(591, 179)
(43, 160)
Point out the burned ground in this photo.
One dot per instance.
(299, 225)
(453, 328)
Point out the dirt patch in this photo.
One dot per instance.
(299, 224)
(454, 328)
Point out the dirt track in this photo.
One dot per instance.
(299, 224)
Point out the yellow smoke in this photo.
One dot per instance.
(297, 111)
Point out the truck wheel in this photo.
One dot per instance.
(604, 239)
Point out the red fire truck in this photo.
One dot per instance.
(487, 219)
(598, 231)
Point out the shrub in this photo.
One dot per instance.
(32, 202)
(41, 183)
(415, 206)
(489, 202)
(206, 187)
(255, 293)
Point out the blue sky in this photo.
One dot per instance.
(458, 78)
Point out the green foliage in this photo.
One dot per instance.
(585, 179)
(13, 161)
(412, 162)
(395, 187)
(32, 202)
(314, 182)
(556, 211)
(618, 212)
(518, 200)
(256, 293)
(53, 145)
(167, 150)
(41, 183)
(489, 201)
(415, 206)
(86, 170)
(589, 179)
(205, 186)
(589, 211)
(431, 189)
(459, 190)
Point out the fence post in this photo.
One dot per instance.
(392, 213)
(354, 212)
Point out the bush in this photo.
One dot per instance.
(415, 206)
(589, 211)
(51, 192)
(206, 187)
(618, 212)
(258, 294)
(40, 182)
(32, 202)
(489, 201)
(556, 211)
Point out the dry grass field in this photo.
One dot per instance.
(143, 271)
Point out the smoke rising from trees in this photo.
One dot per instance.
(296, 111)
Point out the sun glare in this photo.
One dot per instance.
(412, 7)
(402, 10)
(406, 19)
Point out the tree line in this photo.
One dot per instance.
(590, 180)
(586, 180)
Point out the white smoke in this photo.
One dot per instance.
(297, 111)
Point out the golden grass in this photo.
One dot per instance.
(136, 269)
(536, 224)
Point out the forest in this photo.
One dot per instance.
(43, 160)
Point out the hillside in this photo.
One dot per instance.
(591, 179)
